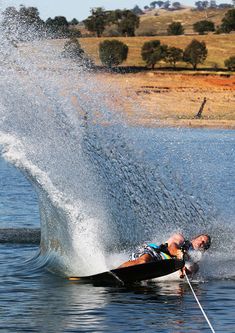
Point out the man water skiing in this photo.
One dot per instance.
(175, 247)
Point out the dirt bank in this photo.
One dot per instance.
(173, 99)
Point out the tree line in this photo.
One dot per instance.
(26, 24)
(114, 52)
(176, 5)
(127, 22)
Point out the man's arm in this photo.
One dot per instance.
(175, 243)
(141, 260)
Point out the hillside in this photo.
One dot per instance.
(157, 21)
(220, 47)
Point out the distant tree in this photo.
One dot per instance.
(166, 4)
(173, 55)
(153, 4)
(176, 5)
(160, 3)
(73, 33)
(230, 63)
(72, 49)
(137, 10)
(29, 15)
(24, 24)
(112, 52)
(74, 21)
(153, 52)
(57, 27)
(195, 53)
(225, 5)
(146, 8)
(127, 22)
(203, 26)
(213, 4)
(228, 22)
(199, 5)
(175, 28)
(205, 4)
(10, 21)
(97, 21)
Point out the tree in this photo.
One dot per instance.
(57, 27)
(72, 49)
(213, 4)
(153, 4)
(173, 55)
(228, 22)
(195, 53)
(199, 5)
(176, 5)
(166, 4)
(230, 63)
(29, 15)
(205, 4)
(160, 3)
(112, 52)
(137, 11)
(10, 21)
(127, 22)
(203, 26)
(97, 21)
(153, 52)
(74, 21)
(175, 28)
(24, 24)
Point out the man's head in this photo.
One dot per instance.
(201, 242)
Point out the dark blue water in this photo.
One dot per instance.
(34, 300)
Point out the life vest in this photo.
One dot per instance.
(161, 250)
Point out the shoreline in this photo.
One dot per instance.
(153, 99)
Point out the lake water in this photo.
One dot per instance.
(95, 189)
(32, 299)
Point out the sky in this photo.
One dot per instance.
(79, 9)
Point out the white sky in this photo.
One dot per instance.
(81, 9)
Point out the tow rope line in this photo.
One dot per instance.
(203, 312)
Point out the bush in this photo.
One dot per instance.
(112, 52)
(230, 63)
(173, 55)
(111, 31)
(175, 28)
(153, 52)
(203, 26)
(228, 22)
(195, 53)
(72, 49)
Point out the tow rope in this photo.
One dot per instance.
(203, 312)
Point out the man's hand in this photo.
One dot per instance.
(183, 271)
(192, 269)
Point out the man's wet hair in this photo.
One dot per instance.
(208, 243)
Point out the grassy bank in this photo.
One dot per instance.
(220, 47)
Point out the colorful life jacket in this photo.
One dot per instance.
(159, 251)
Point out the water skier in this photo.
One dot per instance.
(175, 247)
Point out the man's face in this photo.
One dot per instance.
(201, 243)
